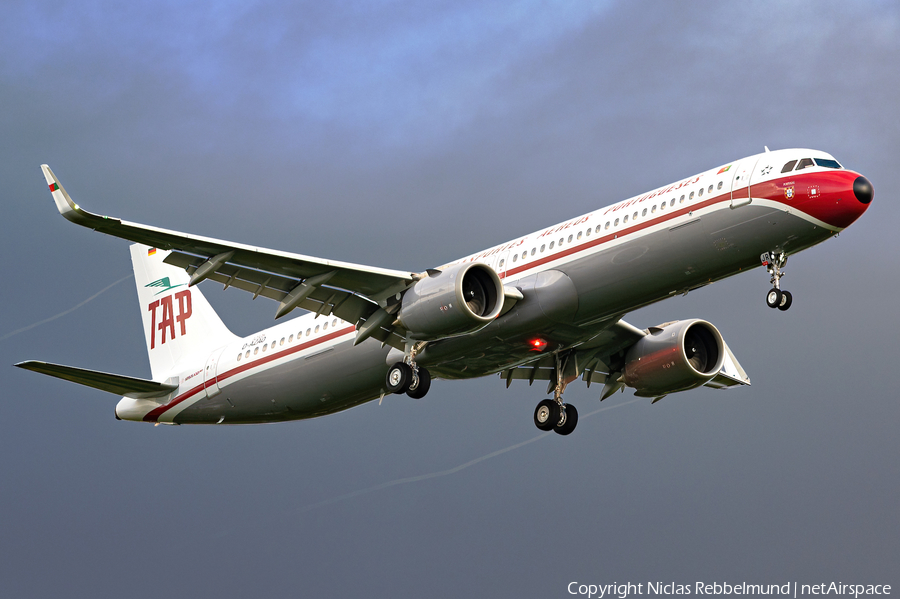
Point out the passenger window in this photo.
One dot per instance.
(710, 189)
(662, 206)
(652, 210)
(607, 225)
(616, 224)
(700, 192)
(334, 322)
(579, 235)
(719, 186)
(570, 239)
(247, 355)
(561, 241)
(239, 357)
(806, 162)
(317, 328)
(308, 332)
(542, 248)
(634, 216)
(525, 254)
(265, 347)
(681, 199)
(273, 345)
(255, 350)
(789, 166)
(552, 243)
(597, 230)
(644, 213)
(588, 232)
(291, 338)
(691, 197)
(672, 202)
(533, 250)
(502, 261)
(625, 220)
(515, 257)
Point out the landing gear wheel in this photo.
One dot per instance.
(568, 420)
(786, 300)
(546, 415)
(420, 384)
(398, 378)
(774, 297)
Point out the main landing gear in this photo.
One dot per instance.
(553, 414)
(774, 263)
(407, 377)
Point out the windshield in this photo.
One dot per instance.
(827, 163)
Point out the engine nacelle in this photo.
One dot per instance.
(674, 357)
(459, 299)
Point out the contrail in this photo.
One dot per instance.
(455, 469)
(72, 309)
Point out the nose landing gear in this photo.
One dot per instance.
(776, 297)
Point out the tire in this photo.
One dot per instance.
(398, 377)
(571, 421)
(546, 415)
(419, 385)
(786, 300)
(773, 298)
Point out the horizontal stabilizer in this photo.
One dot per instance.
(113, 383)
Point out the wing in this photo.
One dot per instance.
(352, 292)
(600, 360)
(593, 360)
(112, 383)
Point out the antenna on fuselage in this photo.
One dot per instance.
(767, 149)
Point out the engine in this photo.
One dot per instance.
(675, 356)
(459, 299)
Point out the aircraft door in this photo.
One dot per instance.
(501, 263)
(741, 181)
(210, 371)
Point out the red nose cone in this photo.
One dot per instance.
(837, 198)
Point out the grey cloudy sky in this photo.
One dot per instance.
(404, 135)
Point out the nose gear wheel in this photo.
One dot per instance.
(776, 297)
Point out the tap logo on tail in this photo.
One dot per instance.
(164, 283)
(165, 307)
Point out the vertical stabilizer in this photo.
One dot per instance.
(179, 323)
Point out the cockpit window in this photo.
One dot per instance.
(827, 163)
(804, 163)
(789, 166)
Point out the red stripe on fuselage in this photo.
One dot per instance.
(837, 207)
(154, 414)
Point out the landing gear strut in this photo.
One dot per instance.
(407, 377)
(553, 414)
(776, 297)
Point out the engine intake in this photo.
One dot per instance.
(674, 357)
(460, 299)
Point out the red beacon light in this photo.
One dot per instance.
(537, 344)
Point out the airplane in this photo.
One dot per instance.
(547, 306)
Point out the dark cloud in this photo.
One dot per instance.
(404, 136)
